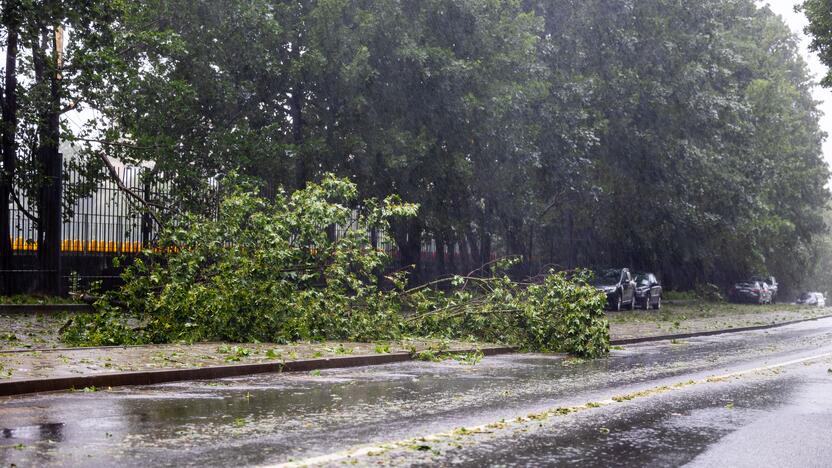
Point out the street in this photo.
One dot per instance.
(744, 399)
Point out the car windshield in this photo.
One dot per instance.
(805, 296)
(643, 280)
(607, 277)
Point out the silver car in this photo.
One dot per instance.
(812, 299)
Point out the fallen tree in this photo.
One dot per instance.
(267, 270)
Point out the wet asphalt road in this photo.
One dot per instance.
(665, 411)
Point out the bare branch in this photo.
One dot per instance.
(71, 106)
(114, 175)
(22, 209)
(117, 144)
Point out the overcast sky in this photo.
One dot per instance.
(797, 21)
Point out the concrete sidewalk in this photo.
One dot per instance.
(69, 362)
(30, 350)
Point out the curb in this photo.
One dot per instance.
(50, 384)
(43, 308)
(646, 339)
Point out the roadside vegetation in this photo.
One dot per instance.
(268, 271)
(678, 137)
(29, 299)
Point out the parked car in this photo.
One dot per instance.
(771, 282)
(618, 285)
(648, 291)
(812, 298)
(756, 292)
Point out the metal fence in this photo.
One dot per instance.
(105, 221)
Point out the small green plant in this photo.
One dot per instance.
(469, 358)
(8, 337)
(74, 283)
(382, 348)
(429, 355)
(234, 353)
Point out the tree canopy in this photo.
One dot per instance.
(676, 137)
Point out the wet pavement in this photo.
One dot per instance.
(651, 404)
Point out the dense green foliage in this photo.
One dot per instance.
(559, 314)
(263, 270)
(819, 13)
(678, 137)
(268, 271)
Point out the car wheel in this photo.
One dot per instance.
(658, 304)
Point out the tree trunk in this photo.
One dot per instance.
(439, 241)
(377, 273)
(8, 147)
(452, 256)
(296, 114)
(408, 236)
(485, 247)
(474, 245)
(531, 251)
(464, 255)
(49, 196)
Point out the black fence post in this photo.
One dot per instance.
(147, 222)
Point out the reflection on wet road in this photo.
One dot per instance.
(281, 417)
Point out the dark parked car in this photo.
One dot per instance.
(618, 285)
(771, 282)
(648, 291)
(756, 292)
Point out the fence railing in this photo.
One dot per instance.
(104, 221)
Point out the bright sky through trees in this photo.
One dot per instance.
(797, 22)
